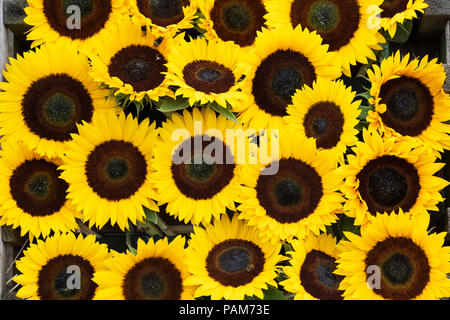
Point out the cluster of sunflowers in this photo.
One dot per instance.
(78, 148)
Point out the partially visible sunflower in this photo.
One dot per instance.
(386, 175)
(295, 193)
(284, 60)
(311, 271)
(32, 195)
(47, 268)
(395, 12)
(164, 18)
(233, 20)
(229, 259)
(107, 166)
(158, 271)
(197, 165)
(395, 259)
(208, 71)
(128, 61)
(348, 27)
(328, 113)
(409, 100)
(47, 93)
(57, 20)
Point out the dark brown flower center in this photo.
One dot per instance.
(389, 183)
(62, 16)
(153, 279)
(208, 76)
(116, 170)
(278, 77)
(410, 105)
(292, 194)
(66, 277)
(404, 267)
(235, 262)
(37, 189)
(202, 173)
(335, 20)
(324, 122)
(392, 7)
(54, 105)
(238, 20)
(163, 12)
(140, 66)
(318, 278)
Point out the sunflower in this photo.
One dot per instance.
(108, 167)
(326, 112)
(385, 175)
(311, 270)
(292, 195)
(61, 268)
(409, 100)
(32, 195)
(228, 259)
(233, 20)
(197, 165)
(208, 71)
(348, 27)
(158, 271)
(47, 93)
(164, 17)
(284, 60)
(395, 259)
(395, 12)
(77, 23)
(128, 62)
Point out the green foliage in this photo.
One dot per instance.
(226, 112)
(168, 105)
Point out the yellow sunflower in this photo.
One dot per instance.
(328, 113)
(164, 18)
(158, 271)
(208, 71)
(293, 194)
(284, 60)
(348, 27)
(128, 61)
(311, 271)
(409, 100)
(230, 260)
(385, 175)
(396, 12)
(197, 165)
(73, 22)
(46, 94)
(108, 169)
(233, 20)
(61, 268)
(32, 195)
(395, 259)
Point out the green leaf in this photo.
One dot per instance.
(223, 111)
(347, 224)
(171, 105)
(151, 215)
(403, 32)
(128, 242)
(362, 125)
(366, 95)
(273, 293)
